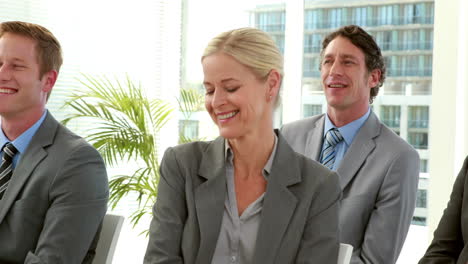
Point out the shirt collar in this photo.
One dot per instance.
(267, 169)
(22, 142)
(349, 130)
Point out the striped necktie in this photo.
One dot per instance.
(332, 138)
(6, 169)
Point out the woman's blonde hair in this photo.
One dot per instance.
(251, 47)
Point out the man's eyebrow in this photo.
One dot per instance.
(348, 56)
(18, 59)
(343, 56)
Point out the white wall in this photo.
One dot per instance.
(448, 133)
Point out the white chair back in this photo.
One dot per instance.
(344, 256)
(110, 232)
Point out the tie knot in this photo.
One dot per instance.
(9, 151)
(333, 137)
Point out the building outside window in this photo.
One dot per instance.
(311, 110)
(418, 117)
(421, 200)
(423, 166)
(419, 140)
(390, 116)
(189, 129)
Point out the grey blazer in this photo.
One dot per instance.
(450, 245)
(379, 178)
(56, 200)
(299, 217)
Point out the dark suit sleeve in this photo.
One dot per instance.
(169, 215)
(78, 199)
(391, 216)
(320, 239)
(448, 241)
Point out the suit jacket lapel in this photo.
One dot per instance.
(314, 139)
(34, 154)
(210, 197)
(357, 153)
(279, 203)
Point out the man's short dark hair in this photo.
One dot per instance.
(366, 43)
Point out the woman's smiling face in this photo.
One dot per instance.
(236, 99)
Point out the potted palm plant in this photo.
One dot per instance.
(126, 123)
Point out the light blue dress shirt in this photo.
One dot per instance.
(21, 143)
(348, 132)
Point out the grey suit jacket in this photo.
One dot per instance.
(299, 217)
(56, 199)
(378, 177)
(450, 245)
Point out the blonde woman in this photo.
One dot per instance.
(245, 197)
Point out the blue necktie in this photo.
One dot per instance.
(328, 155)
(6, 169)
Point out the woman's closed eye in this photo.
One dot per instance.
(232, 89)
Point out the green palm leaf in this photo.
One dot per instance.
(125, 126)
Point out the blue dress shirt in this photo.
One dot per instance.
(348, 132)
(21, 143)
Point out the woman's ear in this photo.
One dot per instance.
(274, 83)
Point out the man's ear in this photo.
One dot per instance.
(49, 78)
(374, 77)
(274, 83)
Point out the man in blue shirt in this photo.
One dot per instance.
(378, 170)
(53, 185)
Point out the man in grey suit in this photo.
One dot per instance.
(378, 170)
(53, 185)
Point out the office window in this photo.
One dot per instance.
(372, 18)
(425, 39)
(270, 21)
(384, 39)
(310, 20)
(418, 117)
(311, 110)
(427, 65)
(310, 67)
(189, 128)
(423, 166)
(409, 65)
(395, 14)
(390, 116)
(279, 40)
(421, 199)
(418, 220)
(408, 14)
(313, 19)
(336, 17)
(418, 139)
(421, 87)
(393, 66)
(385, 15)
(312, 43)
(420, 13)
(359, 16)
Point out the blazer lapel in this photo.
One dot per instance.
(279, 203)
(314, 139)
(209, 199)
(359, 150)
(34, 154)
